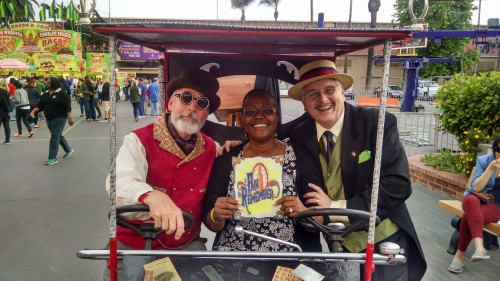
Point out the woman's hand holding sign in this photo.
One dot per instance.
(291, 205)
(224, 208)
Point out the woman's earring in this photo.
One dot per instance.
(245, 136)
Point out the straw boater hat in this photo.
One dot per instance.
(317, 70)
(199, 80)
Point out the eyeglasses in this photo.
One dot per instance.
(264, 111)
(314, 95)
(187, 98)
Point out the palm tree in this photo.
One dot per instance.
(242, 5)
(271, 3)
(373, 7)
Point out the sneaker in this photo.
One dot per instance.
(31, 124)
(99, 116)
(456, 267)
(136, 119)
(6, 142)
(18, 135)
(479, 256)
(51, 162)
(81, 115)
(103, 121)
(68, 154)
(30, 134)
(36, 126)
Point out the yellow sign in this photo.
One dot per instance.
(258, 184)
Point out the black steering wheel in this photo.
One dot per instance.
(334, 232)
(146, 229)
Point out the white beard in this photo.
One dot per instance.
(187, 127)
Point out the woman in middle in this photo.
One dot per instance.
(226, 200)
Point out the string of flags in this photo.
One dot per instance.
(68, 13)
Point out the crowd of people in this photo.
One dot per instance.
(26, 101)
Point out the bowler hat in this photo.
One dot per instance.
(317, 70)
(199, 80)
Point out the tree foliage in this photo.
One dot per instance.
(241, 5)
(447, 15)
(19, 11)
(272, 3)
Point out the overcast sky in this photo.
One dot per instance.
(290, 10)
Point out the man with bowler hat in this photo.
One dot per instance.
(166, 165)
(341, 138)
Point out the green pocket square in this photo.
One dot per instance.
(364, 156)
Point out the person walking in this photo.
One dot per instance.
(33, 97)
(88, 98)
(79, 97)
(97, 94)
(57, 107)
(135, 98)
(21, 101)
(143, 88)
(5, 109)
(153, 90)
(104, 100)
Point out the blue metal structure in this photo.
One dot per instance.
(413, 65)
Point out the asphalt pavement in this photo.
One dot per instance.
(48, 213)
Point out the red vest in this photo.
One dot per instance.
(185, 183)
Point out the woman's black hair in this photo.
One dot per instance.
(496, 144)
(255, 92)
(54, 83)
(17, 84)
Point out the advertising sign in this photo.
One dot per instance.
(42, 48)
(98, 64)
(130, 51)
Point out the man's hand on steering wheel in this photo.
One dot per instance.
(165, 213)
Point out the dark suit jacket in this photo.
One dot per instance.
(359, 134)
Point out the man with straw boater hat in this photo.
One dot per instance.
(341, 137)
(166, 165)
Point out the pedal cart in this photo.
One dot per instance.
(272, 55)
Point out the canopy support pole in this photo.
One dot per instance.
(370, 246)
(113, 243)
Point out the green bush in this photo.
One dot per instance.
(469, 108)
(470, 102)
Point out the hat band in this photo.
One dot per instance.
(317, 72)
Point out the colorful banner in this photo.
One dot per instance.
(42, 48)
(258, 184)
(130, 51)
(97, 64)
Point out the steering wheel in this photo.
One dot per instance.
(334, 232)
(146, 229)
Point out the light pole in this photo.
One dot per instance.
(349, 26)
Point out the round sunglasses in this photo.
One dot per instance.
(187, 98)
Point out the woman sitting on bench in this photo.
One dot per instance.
(476, 214)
